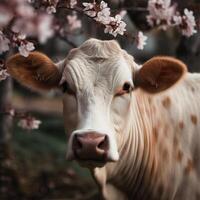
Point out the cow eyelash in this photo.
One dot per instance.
(66, 88)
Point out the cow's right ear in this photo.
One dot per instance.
(37, 71)
(159, 74)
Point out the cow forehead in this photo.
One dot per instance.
(99, 61)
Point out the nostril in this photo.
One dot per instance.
(103, 145)
(77, 143)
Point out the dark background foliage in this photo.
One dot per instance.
(33, 164)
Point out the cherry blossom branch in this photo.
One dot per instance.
(161, 14)
(100, 14)
(19, 24)
(72, 44)
(26, 121)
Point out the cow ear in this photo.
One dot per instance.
(36, 71)
(159, 74)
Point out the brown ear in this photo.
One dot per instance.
(37, 71)
(160, 73)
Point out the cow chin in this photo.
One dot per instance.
(91, 162)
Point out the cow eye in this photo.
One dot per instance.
(66, 88)
(127, 87)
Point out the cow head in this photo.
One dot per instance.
(97, 80)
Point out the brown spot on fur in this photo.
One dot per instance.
(165, 154)
(166, 102)
(175, 142)
(155, 135)
(179, 155)
(189, 167)
(149, 100)
(194, 119)
(181, 125)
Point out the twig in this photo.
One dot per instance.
(72, 44)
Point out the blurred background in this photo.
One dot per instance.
(32, 162)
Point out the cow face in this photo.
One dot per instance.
(97, 93)
(97, 80)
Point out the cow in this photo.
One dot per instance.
(136, 127)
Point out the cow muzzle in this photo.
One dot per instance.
(90, 148)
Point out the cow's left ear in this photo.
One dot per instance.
(159, 74)
(37, 71)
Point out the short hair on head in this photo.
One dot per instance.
(101, 49)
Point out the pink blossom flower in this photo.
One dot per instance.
(141, 40)
(73, 3)
(73, 22)
(88, 6)
(186, 23)
(12, 112)
(123, 13)
(29, 123)
(91, 13)
(25, 26)
(21, 36)
(51, 9)
(40, 26)
(25, 47)
(161, 13)
(100, 12)
(116, 26)
(3, 74)
(5, 16)
(90, 9)
(45, 27)
(4, 43)
(103, 15)
(103, 5)
(25, 10)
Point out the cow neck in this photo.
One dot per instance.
(135, 171)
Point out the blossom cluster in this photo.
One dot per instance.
(3, 74)
(24, 19)
(186, 22)
(164, 14)
(26, 121)
(101, 13)
(3, 71)
(21, 20)
(141, 40)
(29, 123)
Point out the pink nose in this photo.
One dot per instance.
(90, 146)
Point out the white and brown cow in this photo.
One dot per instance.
(139, 141)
